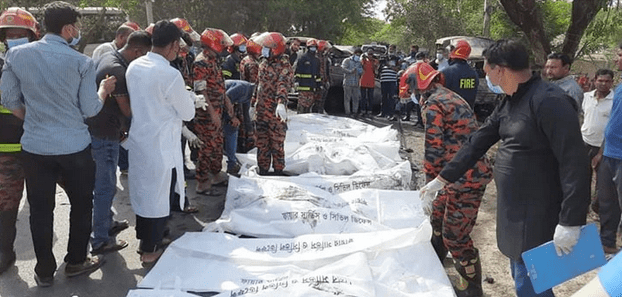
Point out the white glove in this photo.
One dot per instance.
(252, 113)
(428, 193)
(281, 112)
(565, 238)
(192, 138)
(199, 101)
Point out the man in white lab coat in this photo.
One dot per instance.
(160, 102)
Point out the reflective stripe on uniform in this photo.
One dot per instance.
(10, 147)
(227, 73)
(301, 88)
(302, 75)
(4, 110)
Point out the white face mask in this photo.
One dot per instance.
(265, 52)
(242, 48)
(439, 56)
(75, 40)
(11, 43)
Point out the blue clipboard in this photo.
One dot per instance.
(547, 270)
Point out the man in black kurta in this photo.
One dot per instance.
(541, 169)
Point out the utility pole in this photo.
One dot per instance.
(149, 7)
(487, 11)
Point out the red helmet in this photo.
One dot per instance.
(238, 40)
(323, 45)
(183, 25)
(253, 47)
(216, 39)
(425, 74)
(311, 42)
(15, 17)
(132, 25)
(273, 40)
(462, 50)
(149, 29)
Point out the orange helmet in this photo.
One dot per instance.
(419, 76)
(311, 42)
(216, 39)
(132, 25)
(183, 25)
(238, 40)
(253, 47)
(15, 17)
(273, 40)
(462, 50)
(323, 45)
(149, 29)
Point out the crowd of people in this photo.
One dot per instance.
(71, 120)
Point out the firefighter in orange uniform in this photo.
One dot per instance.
(449, 121)
(324, 79)
(208, 125)
(275, 74)
(249, 71)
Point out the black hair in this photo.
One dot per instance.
(358, 51)
(420, 56)
(602, 71)
(507, 53)
(566, 60)
(165, 33)
(139, 39)
(57, 14)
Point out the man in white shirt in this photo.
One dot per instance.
(159, 104)
(597, 109)
(120, 38)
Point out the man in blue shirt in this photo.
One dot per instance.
(459, 76)
(52, 87)
(609, 169)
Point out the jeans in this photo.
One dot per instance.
(389, 90)
(231, 144)
(123, 160)
(367, 96)
(106, 155)
(77, 171)
(609, 187)
(524, 288)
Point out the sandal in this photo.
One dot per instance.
(150, 258)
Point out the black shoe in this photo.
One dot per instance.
(88, 266)
(6, 261)
(110, 247)
(44, 282)
(393, 119)
(189, 174)
(117, 227)
(380, 115)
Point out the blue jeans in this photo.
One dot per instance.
(231, 144)
(389, 90)
(524, 288)
(106, 156)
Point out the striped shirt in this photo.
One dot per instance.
(388, 74)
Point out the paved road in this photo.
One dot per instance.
(122, 270)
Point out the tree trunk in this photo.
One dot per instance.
(583, 12)
(526, 15)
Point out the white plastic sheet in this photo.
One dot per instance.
(261, 207)
(384, 263)
(334, 146)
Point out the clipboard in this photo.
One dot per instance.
(547, 270)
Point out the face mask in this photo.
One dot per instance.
(439, 56)
(75, 40)
(11, 43)
(242, 48)
(391, 63)
(313, 48)
(265, 52)
(494, 88)
(356, 58)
